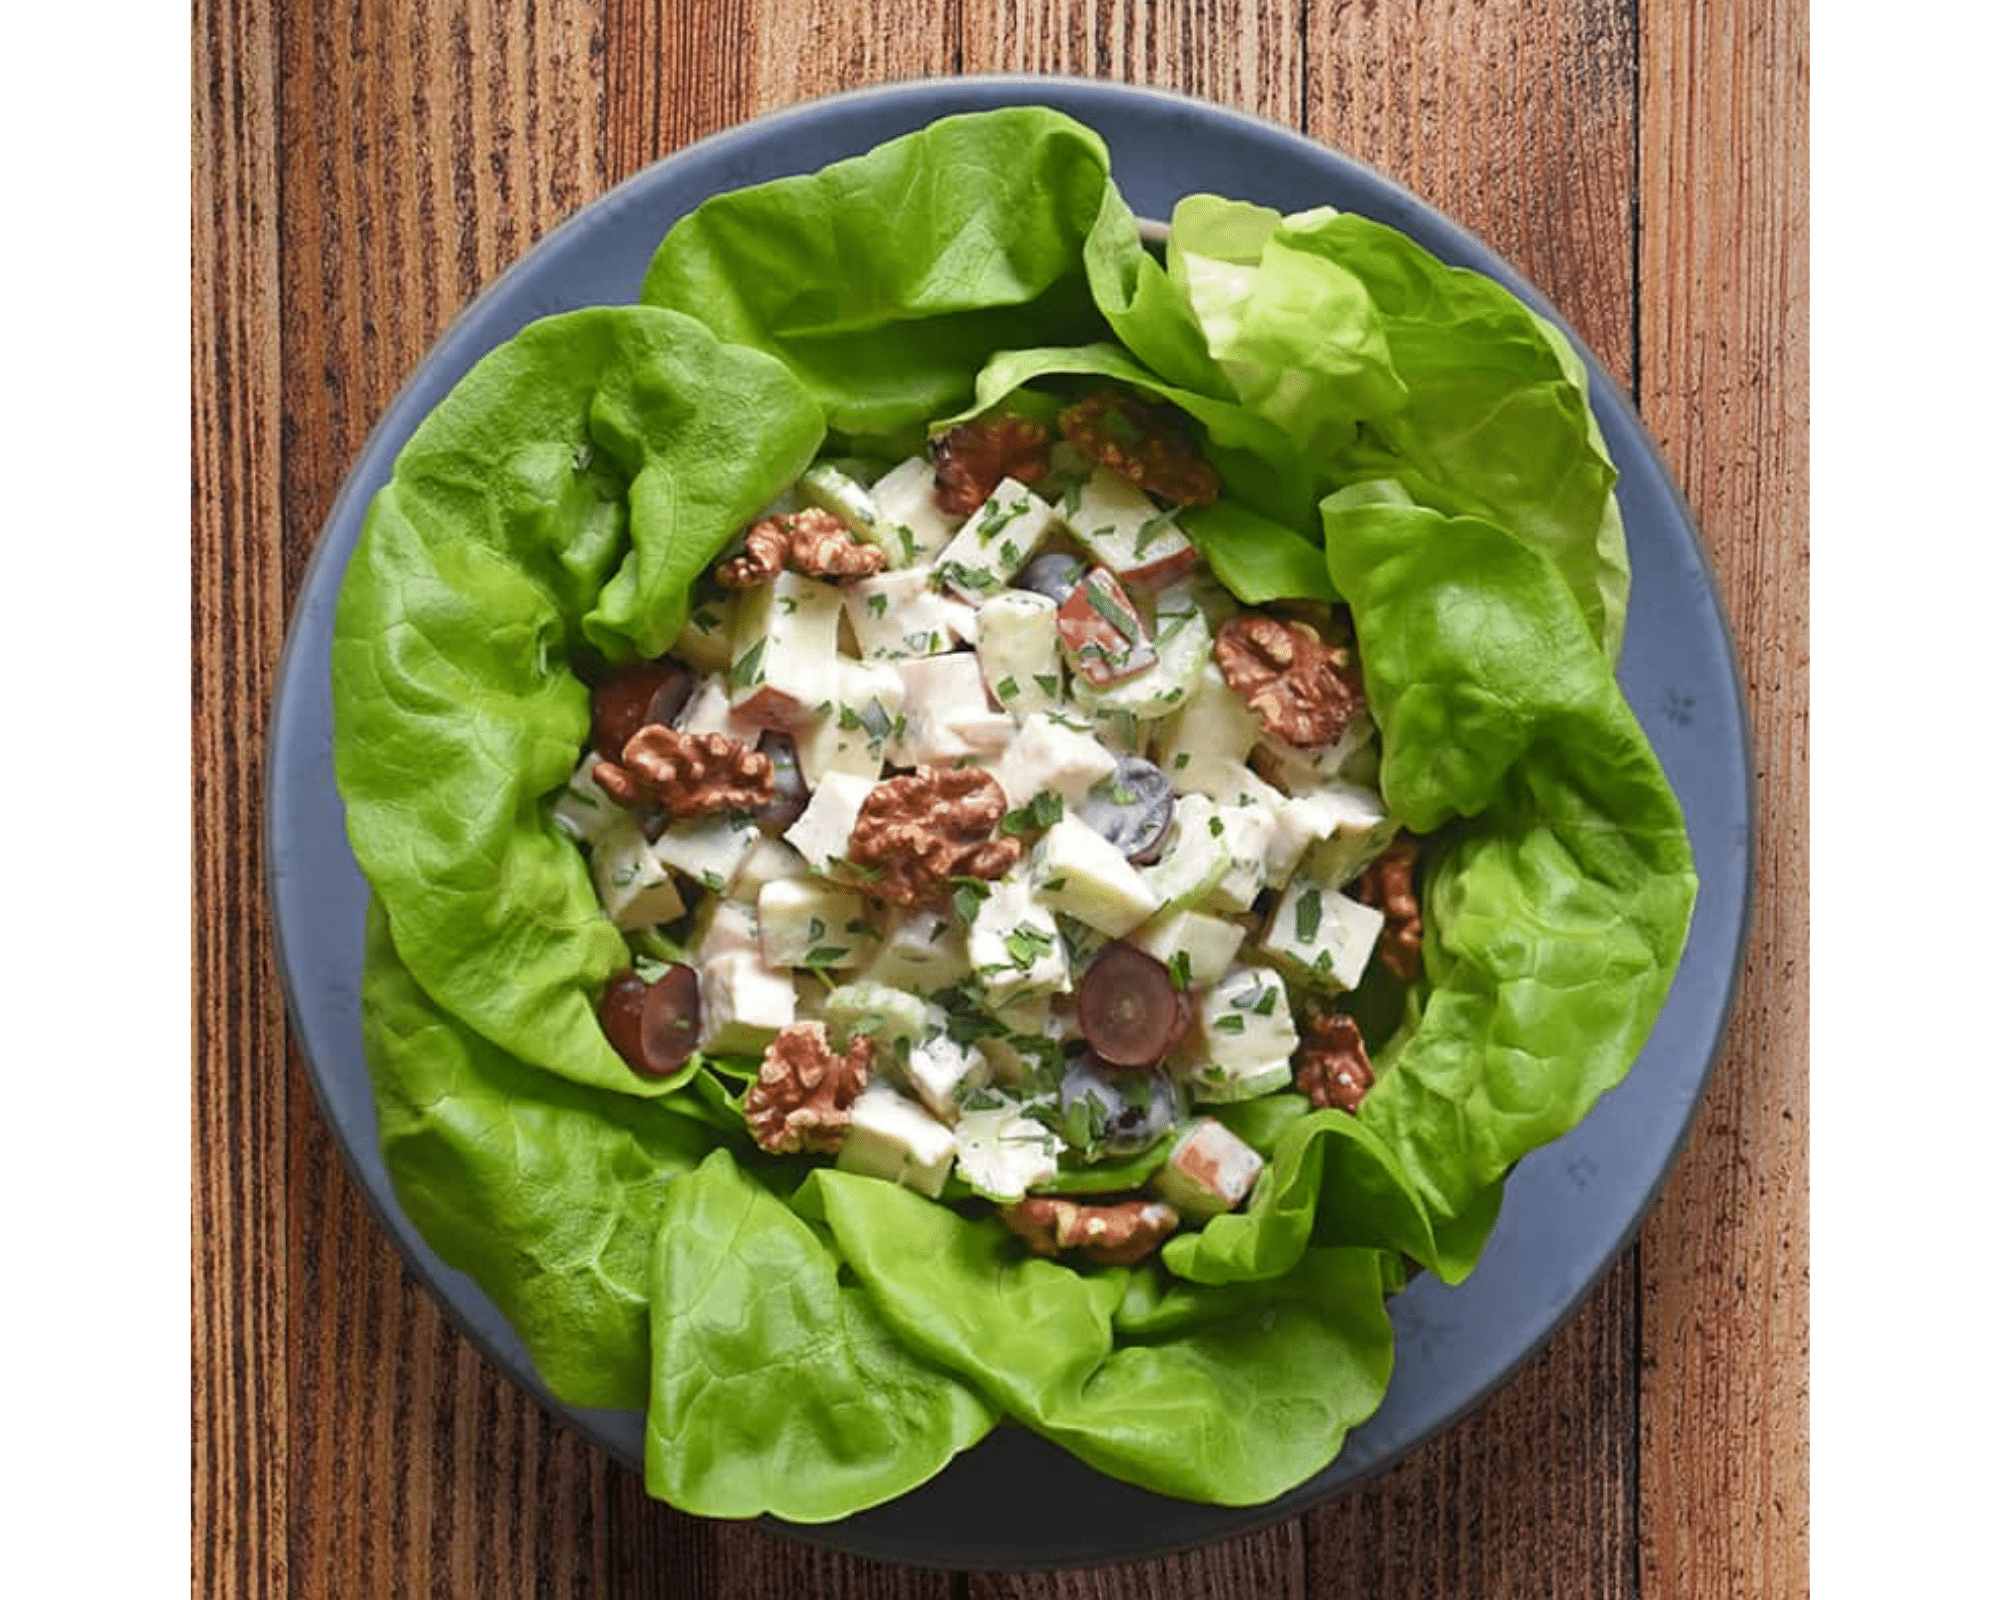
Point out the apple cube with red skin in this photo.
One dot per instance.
(1103, 636)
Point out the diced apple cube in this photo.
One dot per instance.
(1360, 830)
(1019, 652)
(1048, 756)
(709, 849)
(633, 885)
(1242, 1042)
(893, 1138)
(900, 613)
(1115, 521)
(820, 834)
(1208, 1171)
(1003, 1152)
(1015, 945)
(744, 1004)
(891, 1017)
(1104, 638)
(921, 950)
(1322, 938)
(1203, 745)
(1076, 870)
(1192, 857)
(786, 639)
(724, 927)
(704, 641)
(851, 732)
(942, 1072)
(766, 861)
(940, 693)
(1195, 947)
(907, 495)
(1247, 831)
(710, 710)
(806, 923)
(995, 542)
(583, 810)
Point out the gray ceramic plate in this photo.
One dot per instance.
(1014, 1501)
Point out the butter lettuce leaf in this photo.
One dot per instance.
(1228, 1395)
(566, 492)
(886, 280)
(1559, 899)
(545, 1193)
(777, 1388)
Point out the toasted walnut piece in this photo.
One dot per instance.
(916, 833)
(765, 547)
(1303, 692)
(1113, 1234)
(1331, 1068)
(688, 774)
(969, 460)
(1389, 884)
(1153, 445)
(803, 1090)
(823, 548)
(813, 541)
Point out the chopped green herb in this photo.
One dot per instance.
(878, 605)
(1026, 946)
(1105, 606)
(1306, 911)
(1231, 1023)
(1152, 529)
(1179, 968)
(744, 672)
(1050, 683)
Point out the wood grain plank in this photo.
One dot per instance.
(1528, 1496)
(1518, 122)
(1236, 52)
(673, 73)
(239, 1306)
(1269, 1565)
(807, 48)
(1723, 384)
(423, 147)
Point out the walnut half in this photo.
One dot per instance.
(687, 774)
(916, 833)
(814, 542)
(803, 1090)
(1389, 884)
(1113, 1235)
(1303, 692)
(1332, 1068)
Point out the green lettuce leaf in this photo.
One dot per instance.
(1555, 916)
(568, 490)
(1228, 1395)
(885, 281)
(543, 1192)
(776, 1388)
(1379, 361)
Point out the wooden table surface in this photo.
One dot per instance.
(362, 168)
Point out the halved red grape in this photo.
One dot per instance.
(632, 697)
(1128, 1007)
